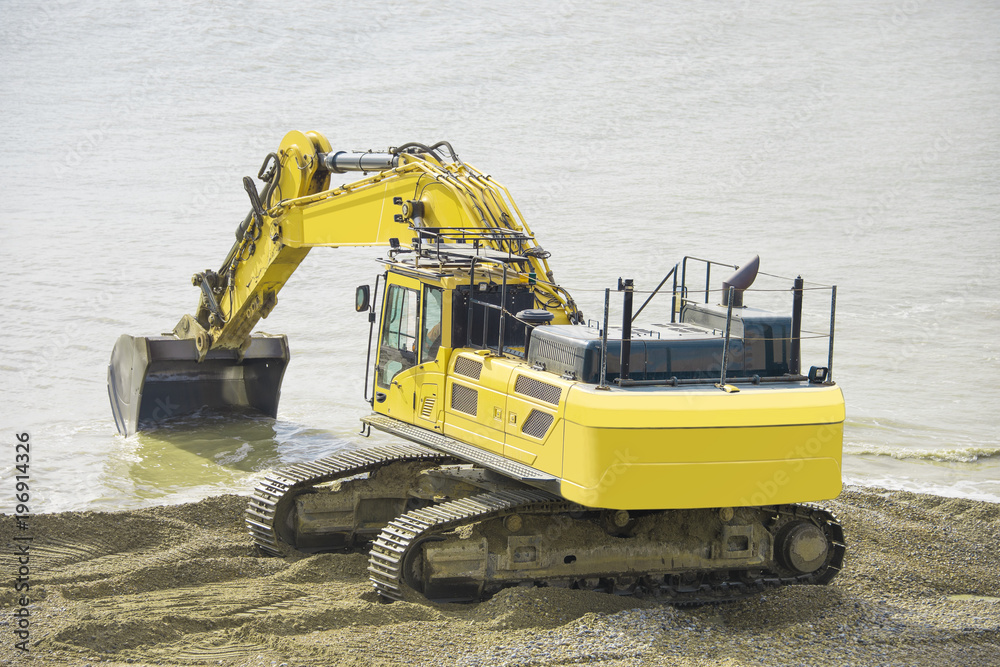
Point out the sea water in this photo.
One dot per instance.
(854, 143)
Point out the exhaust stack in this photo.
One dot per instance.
(742, 279)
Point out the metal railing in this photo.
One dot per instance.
(680, 294)
(441, 241)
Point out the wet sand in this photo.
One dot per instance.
(182, 585)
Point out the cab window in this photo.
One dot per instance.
(398, 346)
(430, 340)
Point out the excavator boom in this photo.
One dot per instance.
(212, 361)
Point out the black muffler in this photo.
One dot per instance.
(742, 279)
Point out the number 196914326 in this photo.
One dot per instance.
(22, 459)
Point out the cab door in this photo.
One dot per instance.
(429, 373)
(398, 349)
(412, 352)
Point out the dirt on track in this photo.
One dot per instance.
(183, 585)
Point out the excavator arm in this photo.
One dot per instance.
(212, 360)
(413, 190)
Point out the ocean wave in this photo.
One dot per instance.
(951, 455)
(970, 490)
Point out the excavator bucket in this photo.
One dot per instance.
(155, 378)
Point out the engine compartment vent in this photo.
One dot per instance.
(427, 409)
(464, 399)
(470, 368)
(537, 424)
(543, 391)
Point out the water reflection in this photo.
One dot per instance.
(210, 453)
(232, 439)
(204, 452)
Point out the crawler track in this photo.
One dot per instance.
(391, 556)
(389, 552)
(640, 566)
(272, 495)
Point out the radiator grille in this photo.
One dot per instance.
(529, 386)
(470, 368)
(464, 399)
(537, 424)
(544, 350)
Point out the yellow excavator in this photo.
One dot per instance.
(674, 460)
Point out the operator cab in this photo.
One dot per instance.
(437, 298)
(411, 328)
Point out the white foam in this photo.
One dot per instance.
(971, 490)
(950, 454)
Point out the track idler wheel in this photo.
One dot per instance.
(802, 547)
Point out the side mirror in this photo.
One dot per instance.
(361, 297)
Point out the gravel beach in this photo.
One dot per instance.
(182, 585)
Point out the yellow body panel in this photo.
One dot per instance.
(485, 428)
(702, 447)
(661, 447)
(705, 406)
(545, 452)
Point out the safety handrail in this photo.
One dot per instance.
(681, 293)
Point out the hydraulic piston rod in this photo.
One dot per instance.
(342, 162)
